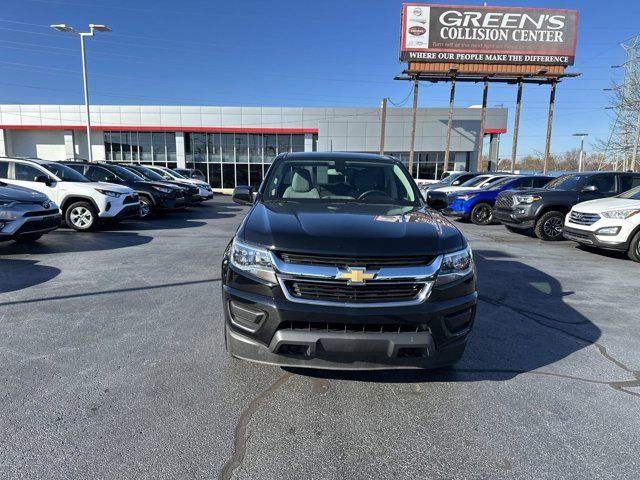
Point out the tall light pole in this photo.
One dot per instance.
(92, 29)
(581, 135)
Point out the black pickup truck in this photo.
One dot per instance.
(544, 209)
(340, 264)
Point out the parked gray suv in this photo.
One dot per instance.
(26, 215)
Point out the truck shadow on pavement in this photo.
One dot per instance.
(19, 274)
(522, 324)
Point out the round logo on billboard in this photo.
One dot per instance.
(417, 31)
(417, 11)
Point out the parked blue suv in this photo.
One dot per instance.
(477, 205)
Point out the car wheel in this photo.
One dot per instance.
(29, 238)
(482, 214)
(80, 216)
(146, 207)
(549, 226)
(634, 248)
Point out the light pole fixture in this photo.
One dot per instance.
(64, 28)
(581, 135)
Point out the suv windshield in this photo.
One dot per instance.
(472, 182)
(148, 173)
(498, 184)
(633, 194)
(173, 173)
(125, 174)
(566, 182)
(342, 180)
(64, 173)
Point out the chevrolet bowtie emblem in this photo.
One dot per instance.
(355, 275)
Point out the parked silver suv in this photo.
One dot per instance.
(26, 215)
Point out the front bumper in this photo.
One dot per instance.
(19, 227)
(128, 211)
(262, 325)
(166, 203)
(585, 237)
(512, 218)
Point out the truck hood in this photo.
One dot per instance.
(350, 229)
(20, 194)
(604, 204)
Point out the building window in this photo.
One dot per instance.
(297, 143)
(226, 140)
(170, 144)
(270, 148)
(255, 148)
(284, 143)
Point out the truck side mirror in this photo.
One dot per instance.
(242, 195)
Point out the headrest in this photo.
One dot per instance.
(301, 181)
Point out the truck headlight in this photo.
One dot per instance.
(456, 265)
(254, 260)
(621, 214)
(527, 199)
(108, 193)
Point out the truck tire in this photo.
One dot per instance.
(549, 226)
(481, 214)
(146, 207)
(634, 248)
(80, 216)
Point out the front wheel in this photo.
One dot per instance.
(146, 207)
(80, 216)
(482, 214)
(549, 226)
(634, 248)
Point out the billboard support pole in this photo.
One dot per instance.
(547, 146)
(516, 127)
(483, 115)
(413, 123)
(452, 96)
(383, 124)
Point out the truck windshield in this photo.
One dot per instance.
(340, 180)
(566, 182)
(633, 194)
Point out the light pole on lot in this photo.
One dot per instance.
(581, 135)
(92, 29)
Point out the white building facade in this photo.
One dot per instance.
(235, 145)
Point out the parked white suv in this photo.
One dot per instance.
(82, 202)
(204, 189)
(611, 223)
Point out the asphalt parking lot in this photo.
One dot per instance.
(112, 366)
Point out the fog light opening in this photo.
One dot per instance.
(412, 352)
(294, 350)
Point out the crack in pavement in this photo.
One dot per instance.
(241, 437)
(618, 385)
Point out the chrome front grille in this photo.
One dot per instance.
(340, 291)
(327, 280)
(580, 218)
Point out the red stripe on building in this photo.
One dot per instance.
(157, 128)
(495, 130)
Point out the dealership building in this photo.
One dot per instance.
(235, 145)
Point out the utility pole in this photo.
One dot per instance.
(64, 28)
(636, 137)
(413, 124)
(580, 160)
(383, 124)
(483, 116)
(547, 145)
(447, 151)
(516, 127)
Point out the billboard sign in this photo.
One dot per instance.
(499, 35)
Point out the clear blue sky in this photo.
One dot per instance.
(281, 52)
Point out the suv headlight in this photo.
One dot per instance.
(162, 189)
(527, 199)
(456, 265)
(108, 193)
(6, 203)
(254, 260)
(621, 214)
